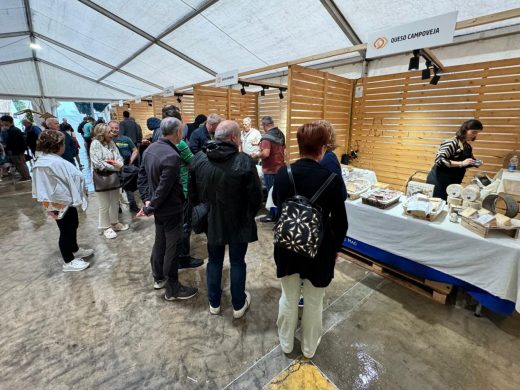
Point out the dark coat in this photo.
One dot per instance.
(71, 149)
(199, 138)
(131, 129)
(228, 181)
(331, 162)
(159, 178)
(308, 177)
(15, 142)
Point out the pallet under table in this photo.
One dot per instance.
(436, 291)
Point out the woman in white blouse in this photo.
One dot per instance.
(60, 187)
(105, 156)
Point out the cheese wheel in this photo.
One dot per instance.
(477, 205)
(471, 193)
(454, 190)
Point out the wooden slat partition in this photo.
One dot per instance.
(314, 95)
(271, 105)
(187, 106)
(228, 103)
(139, 111)
(400, 121)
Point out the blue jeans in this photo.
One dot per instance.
(268, 181)
(237, 253)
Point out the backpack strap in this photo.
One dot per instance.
(322, 188)
(291, 178)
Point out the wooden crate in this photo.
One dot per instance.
(484, 231)
(436, 291)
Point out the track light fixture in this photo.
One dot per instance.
(414, 61)
(280, 95)
(179, 99)
(435, 79)
(426, 72)
(243, 89)
(262, 92)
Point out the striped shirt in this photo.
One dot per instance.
(451, 149)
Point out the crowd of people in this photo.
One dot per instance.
(203, 177)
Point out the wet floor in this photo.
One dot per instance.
(107, 328)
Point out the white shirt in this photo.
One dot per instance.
(250, 141)
(58, 181)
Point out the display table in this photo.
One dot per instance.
(509, 182)
(488, 268)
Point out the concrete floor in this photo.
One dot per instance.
(106, 328)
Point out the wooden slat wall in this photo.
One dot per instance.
(139, 111)
(400, 121)
(228, 103)
(187, 106)
(317, 95)
(271, 105)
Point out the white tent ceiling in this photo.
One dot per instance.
(116, 49)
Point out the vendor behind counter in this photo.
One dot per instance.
(454, 156)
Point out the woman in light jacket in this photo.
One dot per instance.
(105, 156)
(293, 269)
(60, 187)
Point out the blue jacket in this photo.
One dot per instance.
(331, 162)
(199, 138)
(154, 124)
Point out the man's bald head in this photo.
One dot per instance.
(52, 123)
(228, 131)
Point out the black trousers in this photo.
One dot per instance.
(165, 252)
(68, 226)
(186, 231)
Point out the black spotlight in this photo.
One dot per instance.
(414, 61)
(243, 89)
(262, 92)
(280, 95)
(435, 79)
(426, 72)
(179, 99)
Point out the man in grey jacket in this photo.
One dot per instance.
(161, 190)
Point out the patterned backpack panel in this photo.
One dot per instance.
(299, 228)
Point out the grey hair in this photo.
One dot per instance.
(267, 120)
(170, 126)
(214, 119)
(113, 120)
(48, 120)
(247, 120)
(226, 130)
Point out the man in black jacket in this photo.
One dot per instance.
(227, 180)
(32, 133)
(15, 146)
(161, 190)
(205, 133)
(129, 128)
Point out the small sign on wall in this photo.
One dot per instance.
(120, 103)
(227, 78)
(359, 91)
(435, 31)
(137, 99)
(169, 91)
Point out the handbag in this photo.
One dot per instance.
(199, 218)
(299, 228)
(105, 180)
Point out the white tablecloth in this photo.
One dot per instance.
(492, 263)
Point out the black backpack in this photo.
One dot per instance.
(299, 228)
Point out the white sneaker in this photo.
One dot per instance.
(119, 227)
(240, 313)
(83, 253)
(75, 265)
(214, 310)
(110, 233)
(159, 284)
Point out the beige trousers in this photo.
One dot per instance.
(108, 208)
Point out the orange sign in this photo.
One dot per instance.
(380, 42)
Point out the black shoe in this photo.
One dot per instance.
(134, 208)
(190, 262)
(182, 292)
(267, 218)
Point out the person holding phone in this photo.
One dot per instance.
(454, 156)
(60, 187)
(105, 156)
